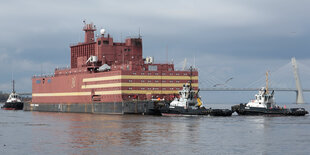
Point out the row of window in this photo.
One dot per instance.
(105, 42)
(73, 71)
(130, 88)
(82, 51)
(156, 81)
(43, 81)
(134, 73)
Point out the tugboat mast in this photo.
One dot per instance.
(191, 74)
(267, 83)
(13, 83)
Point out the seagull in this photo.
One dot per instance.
(223, 83)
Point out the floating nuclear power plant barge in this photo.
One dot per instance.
(108, 77)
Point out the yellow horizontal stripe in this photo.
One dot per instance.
(62, 94)
(117, 77)
(101, 85)
(136, 92)
(102, 78)
(156, 84)
(113, 92)
(135, 85)
(159, 77)
(150, 91)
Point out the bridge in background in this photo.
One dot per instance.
(299, 91)
(251, 89)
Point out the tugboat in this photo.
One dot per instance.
(189, 104)
(13, 102)
(264, 104)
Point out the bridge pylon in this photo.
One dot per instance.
(299, 92)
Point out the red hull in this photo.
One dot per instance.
(8, 108)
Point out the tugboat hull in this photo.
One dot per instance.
(242, 109)
(180, 111)
(13, 106)
(220, 112)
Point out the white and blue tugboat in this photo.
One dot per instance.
(189, 104)
(186, 104)
(264, 104)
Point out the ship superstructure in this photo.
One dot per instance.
(110, 76)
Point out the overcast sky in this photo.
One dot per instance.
(227, 38)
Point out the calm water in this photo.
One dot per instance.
(70, 133)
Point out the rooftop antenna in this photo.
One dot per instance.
(167, 53)
(194, 61)
(41, 70)
(139, 32)
(184, 64)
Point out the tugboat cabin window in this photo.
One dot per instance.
(38, 81)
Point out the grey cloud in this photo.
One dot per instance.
(240, 32)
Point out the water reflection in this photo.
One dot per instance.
(181, 135)
(108, 132)
(48, 133)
